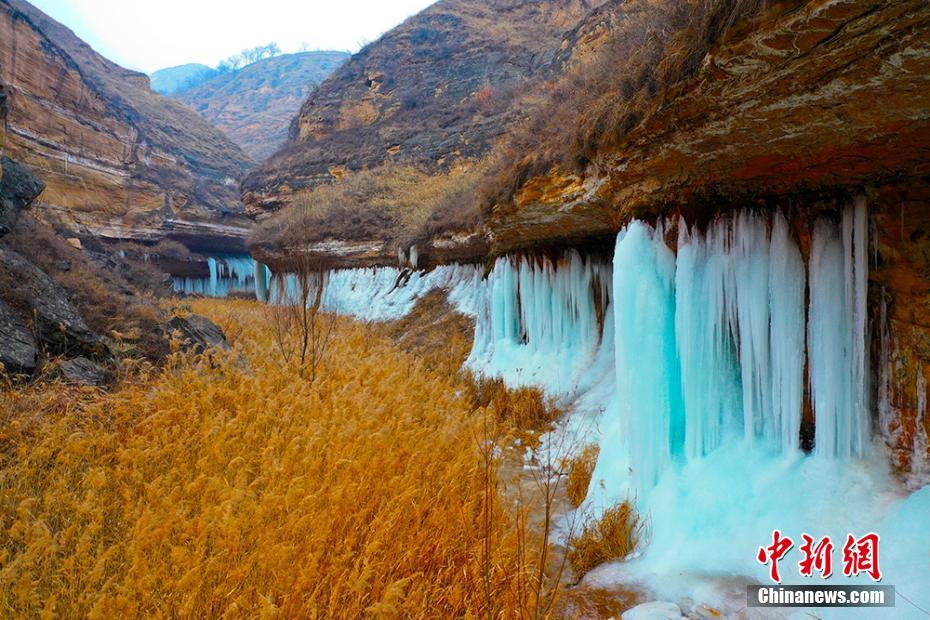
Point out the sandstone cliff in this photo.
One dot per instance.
(118, 160)
(254, 105)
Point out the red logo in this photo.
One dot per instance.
(860, 555)
(774, 553)
(817, 557)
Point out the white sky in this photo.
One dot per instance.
(153, 34)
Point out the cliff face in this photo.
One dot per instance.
(254, 105)
(433, 91)
(807, 106)
(831, 95)
(118, 160)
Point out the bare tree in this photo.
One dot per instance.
(301, 330)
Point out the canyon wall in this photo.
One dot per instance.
(801, 108)
(807, 108)
(118, 160)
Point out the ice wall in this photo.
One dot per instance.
(544, 322)
(228, 274)
(711, 350)
(387, 293)
(710, 345)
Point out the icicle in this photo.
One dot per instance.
(920, 467)
(214, 275)
(262, 277)
(786, 291)
(648, 387)
(837, 335)
(749, 315)
(710, 383)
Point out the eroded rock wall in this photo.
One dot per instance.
(118, 160)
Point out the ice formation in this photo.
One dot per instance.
(228, 274)
(541, 322)
(704, 433)
(387, 293)
(694, 365)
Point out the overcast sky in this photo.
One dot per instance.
(152, 34)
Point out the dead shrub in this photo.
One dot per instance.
(524, 410)
(580, 469)
(612, 537)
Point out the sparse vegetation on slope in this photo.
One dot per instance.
(648, 50)
(437, 89)
(397, 204)
(254, 104)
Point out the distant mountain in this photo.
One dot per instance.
(255, 104)
(173, 79)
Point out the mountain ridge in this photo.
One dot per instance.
(254, 105)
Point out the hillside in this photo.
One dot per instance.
(419, 111)
(118, 160)
(172, 79)
(254, 105)
(435, 90)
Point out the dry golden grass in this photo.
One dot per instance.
(524, 411)
(580, 469)
(612, 537)
(219, 488)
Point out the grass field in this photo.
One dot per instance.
(230, 486)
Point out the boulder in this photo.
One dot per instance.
(18, 349)
(199, 333)
(58, 325)
(82, 371)
(18, 188)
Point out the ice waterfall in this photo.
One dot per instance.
(385, 293)
(228, 274)
(710, 344)
(544, 322)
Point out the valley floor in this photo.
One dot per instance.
(238, 485)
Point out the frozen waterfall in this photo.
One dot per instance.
(710, 345)
(228, 274)
(544, 322)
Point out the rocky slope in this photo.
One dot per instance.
(434, 90)
(118, 160)
(254, 105)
